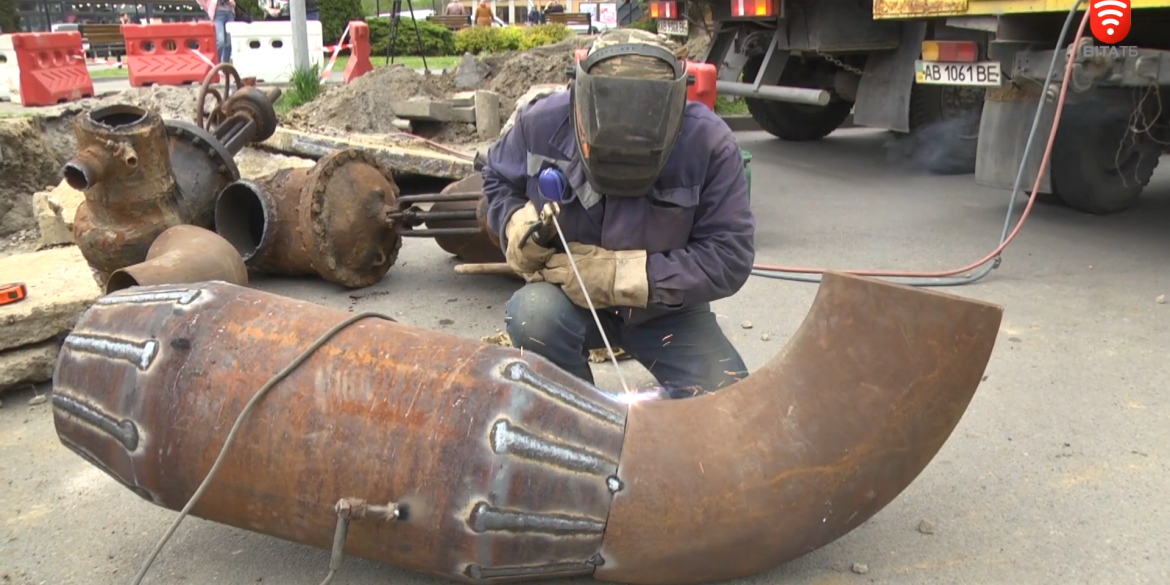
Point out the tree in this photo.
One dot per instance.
(335, 15)
(9, 17)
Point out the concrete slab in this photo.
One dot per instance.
(54, 210)
(403, 160)
(60, 287)
(28, 365)
(423, 109)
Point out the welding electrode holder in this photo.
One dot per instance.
(553, 186)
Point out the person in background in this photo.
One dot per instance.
(455, 8)
(483, 14)
(274, 10)
(554, 7)
(221, 13)
(535, 17)
(312, 10)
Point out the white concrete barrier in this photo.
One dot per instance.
(9, 70)
(264, 49)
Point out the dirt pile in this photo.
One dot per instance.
(696, 47)
(31, 156)
(514, 73)
(364, 106)
(170, 102)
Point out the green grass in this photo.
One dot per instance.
(304, 87)
(730, 106)
(112, 72)
(412, 62)
(435, 63)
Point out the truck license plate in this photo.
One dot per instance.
(673, 27)
(976, 74)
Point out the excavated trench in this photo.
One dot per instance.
(32, 152)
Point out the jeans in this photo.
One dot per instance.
(223, 42)
(686, 351)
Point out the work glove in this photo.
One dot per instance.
(527, 261)
(612, 279)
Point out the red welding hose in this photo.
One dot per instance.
(1023, 217)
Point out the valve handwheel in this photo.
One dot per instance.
(210, 119)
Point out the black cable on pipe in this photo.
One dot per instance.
(231, 438)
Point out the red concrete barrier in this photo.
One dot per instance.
(359, 54)
(173, 53)
(702, 90)
(52, 68)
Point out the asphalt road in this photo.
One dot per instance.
(1056, 473)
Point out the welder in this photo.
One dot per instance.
(653, 206)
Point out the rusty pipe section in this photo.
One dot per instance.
(504, 467)
(183, 254)
(261, 220)
(499, 463)
(328, 220)
(131, 196)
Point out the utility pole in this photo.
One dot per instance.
(300, 35)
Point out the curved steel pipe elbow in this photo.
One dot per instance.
(806, 448)
(327, 220)
(183, 254)
(507, 468)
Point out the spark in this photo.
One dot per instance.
(704, 471)
(667, 337)
(537, 340)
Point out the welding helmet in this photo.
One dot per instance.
(628, 96)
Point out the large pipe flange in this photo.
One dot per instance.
(202, 167)
(344, 206)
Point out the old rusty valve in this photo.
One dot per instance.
(242, 113)
(329, 220)
(142, 174)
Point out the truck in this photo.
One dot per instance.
(804, 67)
(1113, 127)
(964, 76)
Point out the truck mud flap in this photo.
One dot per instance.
(503, 466)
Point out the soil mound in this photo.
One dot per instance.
(364, 105)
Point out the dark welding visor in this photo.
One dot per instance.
(626, 126)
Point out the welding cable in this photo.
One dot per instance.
(992, 260)
(281, 375)
(434, 144)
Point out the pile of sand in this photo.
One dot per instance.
(170, 102)
(364, 105)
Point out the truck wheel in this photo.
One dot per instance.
(944, 127)
(1098, 166)
(794, 122)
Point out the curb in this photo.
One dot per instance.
(747, 124)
